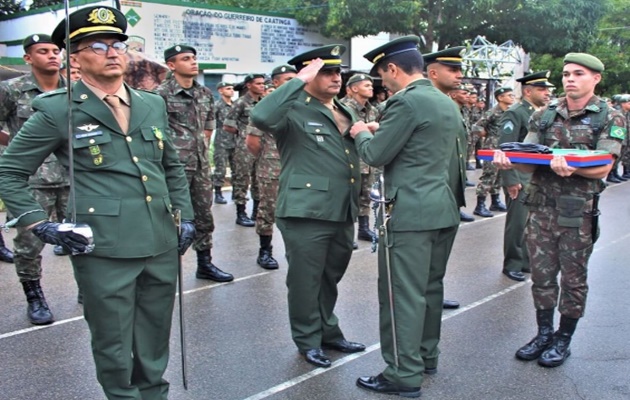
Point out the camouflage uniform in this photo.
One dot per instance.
(267, 174)
(244, 161)
(470, 142)
(190, 112)
(625, 157)
(224, 144)
(563, 243)
(366, 113)
(49, 185)
(490, 180)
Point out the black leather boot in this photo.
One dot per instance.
(365, 233)
(612, 179)
(241, 216)
(620, 177)
(481, 209)
(255, 210)
(626, 171)
(37, 311)
(560, 349)
(542, 341)
(497, 204)
(6, 255)
(207, 270)
(478, 163)
(265, 257)
(218, 197)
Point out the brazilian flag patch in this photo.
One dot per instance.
(617, 132)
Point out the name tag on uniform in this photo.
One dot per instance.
(83, 135)
(310, 123)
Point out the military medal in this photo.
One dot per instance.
(161, 145)
(95, 150)
(98, 160)
(158, 134)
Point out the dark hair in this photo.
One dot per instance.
(409, 62)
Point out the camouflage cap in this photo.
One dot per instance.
(283, 69)
(251, 77)
(178, 49)
(397, 46)
(36, 38)
(586, 60)
(331, 55)
(91, 21)
(540, 78)
(499, 91)
(224, 84)
(359, 78)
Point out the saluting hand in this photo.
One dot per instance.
(308, 73)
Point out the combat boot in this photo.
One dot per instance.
(481, 209)
(612, 179)
(37, 311)
(542, 341)
(620, 177)
(6, 255)
(218, 197)
(265, 257)
(626, 171)
(207, 270)
(497, 204)
(241, 216)
(560, 349)
(255, 210)
(365, 233)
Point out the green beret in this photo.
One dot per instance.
(397, 46)
(269, 85)
(624, 98)
(89, 21)
(35, 39)
(586, 60)
(224, 84)
(359, 78)
(331, 55)
(178, 49)
(453, 56)
(537, 79)
(251, 77)
(283, 69)
(499, 91)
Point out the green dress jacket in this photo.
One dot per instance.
(321, 174)
(126, 185)
(415, 146)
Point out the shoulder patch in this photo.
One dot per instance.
(508, 127)
(54, 92)
(617, 132)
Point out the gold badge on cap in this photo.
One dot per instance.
(335, 51)
(548, 74)
(283, 69)
(35, 38)
(362, 76)
(102, 16)
(178, 48)
(462, 53)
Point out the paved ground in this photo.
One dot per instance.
(239, 345)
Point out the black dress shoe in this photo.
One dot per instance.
(515, 276)
(465, 217)
(6, 255)
(344, 346)
(381, 385)
(430, 371)
(470, 184)
(612, 179)
(316, 357)
(213, 273)
(355, 246)
(450, 304)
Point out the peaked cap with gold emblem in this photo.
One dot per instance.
(331, 55)
(537, 79)
(88, 21)
(453, 56)
(397, 46)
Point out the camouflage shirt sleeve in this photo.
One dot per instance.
(231, 119)
(613, 134)
(7, 102)
(482, 124)
(533, 128)
(210, 123)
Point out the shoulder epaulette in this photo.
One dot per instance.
(54, 92)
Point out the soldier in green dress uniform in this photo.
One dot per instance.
(513, 128)
(128, 180)
(318, 195)
(414, 143)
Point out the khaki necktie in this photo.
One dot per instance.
(119, 114)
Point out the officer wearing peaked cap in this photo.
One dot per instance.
(318, 195)
(128, 181)
(513, 127)
(414, 143)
